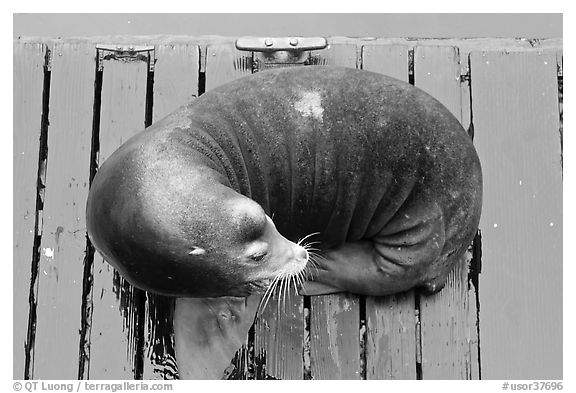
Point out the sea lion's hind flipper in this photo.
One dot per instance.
(401, 257)
(209, 331)
(414, 255)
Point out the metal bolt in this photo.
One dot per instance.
(268, 42)
(294, 41)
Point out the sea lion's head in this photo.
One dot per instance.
(177, 232)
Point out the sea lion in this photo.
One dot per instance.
(381, 172)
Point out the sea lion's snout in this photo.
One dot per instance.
(301, 255)
(297, 261)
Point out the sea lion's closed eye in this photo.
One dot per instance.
(258, 257)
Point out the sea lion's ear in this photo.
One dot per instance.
(197, 251)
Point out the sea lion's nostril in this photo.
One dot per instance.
(302, 254)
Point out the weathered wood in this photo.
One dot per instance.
(473, 325)
(473, 272)
(175, 83)
(391, 320)
(64, 226)
(224, 64)
(560, 73)
(448, 325)
(437, 72)
(115, 315)
(444, 317)
(335, 319)
(279, 337)
(335, 337)
(340, 54)
(391, 337)
(28, 86)
(391, 60)
(527, 44)
(175, 77)
(475, 44)
(515, 108)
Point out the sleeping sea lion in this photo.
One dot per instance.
(212, 200)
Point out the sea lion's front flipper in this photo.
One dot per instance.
(209, 331)
(313, 288)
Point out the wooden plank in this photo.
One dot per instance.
(63, 243)
(391, 337)
(474, 264)
(472, 332)
(437, 72)
(175, 83)
(175, 77)
(115, 317)
(391, 320)
(560, 73)
(447, 328)
(335, 319)
(391, 60)
(444, 317)
(279, 338)
(516, 121)
(335, 337)
(224, 64)
(27, 94)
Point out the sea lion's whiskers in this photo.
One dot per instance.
(306, 237)
(298, 279)
(282, 294)
(280, 291)
(294, 278)
(286, 288)
(318, 260)
(315, 260)
(318, 255)
(268, 294)
(309, 244)
(265, 298)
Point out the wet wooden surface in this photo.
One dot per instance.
(63, 242)
(516, 122)
(28, 88)
(82, 319)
